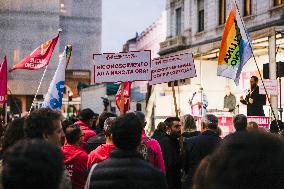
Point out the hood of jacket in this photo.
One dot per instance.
(70, 152)
(83, 125)
(103, 151)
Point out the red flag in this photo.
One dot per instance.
(127, 94)
(39, 58)
(3, 81)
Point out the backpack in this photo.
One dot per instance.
(146, 152)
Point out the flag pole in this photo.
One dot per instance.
(273, 113)
(38, 88)
(175, 99)
(6, 114)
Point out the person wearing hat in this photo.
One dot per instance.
(198, 147)
(86, 120)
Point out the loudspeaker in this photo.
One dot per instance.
(279, 69)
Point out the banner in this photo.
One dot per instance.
(122, 67)
(127, 94)
(39, 58)
(235, 49)
(260, 120)
(3, 81)
(53, 98)
(176, 67)
(270, 85)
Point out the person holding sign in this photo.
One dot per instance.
(253, 99)
(198, 102)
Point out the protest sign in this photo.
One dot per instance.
(271, 87)
(122, 67)
(171, 68)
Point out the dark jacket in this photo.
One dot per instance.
(171, 154)
(124, 170)
(256, 108)
(196, 149)
(95, 142)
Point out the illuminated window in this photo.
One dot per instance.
(62, 8)
(178, 21)
(278, 2)
(222, 11)
(247, 7)
(200, 15)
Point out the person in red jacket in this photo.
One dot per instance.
(75, 158)
(102, 152)
(156, 156)
(86, 120)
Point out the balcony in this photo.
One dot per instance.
(172, 44)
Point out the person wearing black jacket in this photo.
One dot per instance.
(198, 147)
(171, 152)
(126, 168)
(253, 99)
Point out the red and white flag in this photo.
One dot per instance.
(126, 94)
(39, 58)
(3, 81)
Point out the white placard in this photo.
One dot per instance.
(122, 67)
(171, 68)
(271, 87)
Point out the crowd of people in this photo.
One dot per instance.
(91, 151)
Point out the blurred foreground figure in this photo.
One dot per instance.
(252, 160)
(125, 168)
(32, 164)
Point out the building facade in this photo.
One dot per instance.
(196, 26)
(27, 24)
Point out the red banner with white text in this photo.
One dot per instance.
(39, 58)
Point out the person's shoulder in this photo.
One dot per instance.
(95, 151)
(83, 155)
(97, 138)
(164, 139)
(90, 132)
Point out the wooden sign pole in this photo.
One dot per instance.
(175, 99)
(122, 99)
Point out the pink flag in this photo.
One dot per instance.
(3, 81)
(39, 58)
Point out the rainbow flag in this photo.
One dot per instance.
(235, 49)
